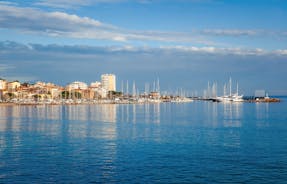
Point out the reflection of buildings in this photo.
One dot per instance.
(48, 119)
(23, 128)
(149, 112)
(104, 112)
(91, 120)
(6, 122)
(76, 112)
(30, 118)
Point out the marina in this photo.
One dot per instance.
(143, 92)
(104, 92)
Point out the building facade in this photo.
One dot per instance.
(77, 85)
(13, 86)
(108, 82)
(3, 84)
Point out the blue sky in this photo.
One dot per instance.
(185, 43)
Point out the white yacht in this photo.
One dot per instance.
(231, 97)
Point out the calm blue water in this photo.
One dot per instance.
(198, 142)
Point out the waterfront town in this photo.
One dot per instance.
(77, 92)
(104, 91)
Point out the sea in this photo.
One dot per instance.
(197, 142)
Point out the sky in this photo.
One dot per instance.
(183, 43)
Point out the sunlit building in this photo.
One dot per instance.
(3, 84)
(77, 85)
(109, 82)
(96, 84)
(55, 92)
(13, 86)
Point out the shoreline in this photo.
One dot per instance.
(271, 100)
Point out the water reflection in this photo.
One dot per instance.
(123, 143)
(224, 114)
(262, 114)
(35, 118)
(232, 113)
(225, 118)
(55, 120)
(150, 113)
(212, 113)
(77, 120)
(106, 112)
(103, 121)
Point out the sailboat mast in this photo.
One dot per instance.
(230, 84)
(158, 87)
(122, 87)
(237, 89)
(134, 89)
(127, 87)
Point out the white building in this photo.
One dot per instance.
(40, 84)
(95, 84)
(77, 85)
(100, 92)
(109, 82)
(3, 84)
(13, 86)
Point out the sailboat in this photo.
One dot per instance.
(236, 97)
(231, 97)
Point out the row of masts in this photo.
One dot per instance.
(211, 91)
(230, 88)
(153, 87)
(135, 91)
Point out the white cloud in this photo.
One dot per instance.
(71, 4)
(69, 25)
(7, 3)
(230, 32)
(223, 51)
(74, 19)
(281, 52)
(4, 67)
(61, 24)
(7, 47)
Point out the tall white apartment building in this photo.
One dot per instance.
(109, 82)
(3, 84)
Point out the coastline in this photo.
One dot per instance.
(156, 101)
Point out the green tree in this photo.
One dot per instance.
(74, 94)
